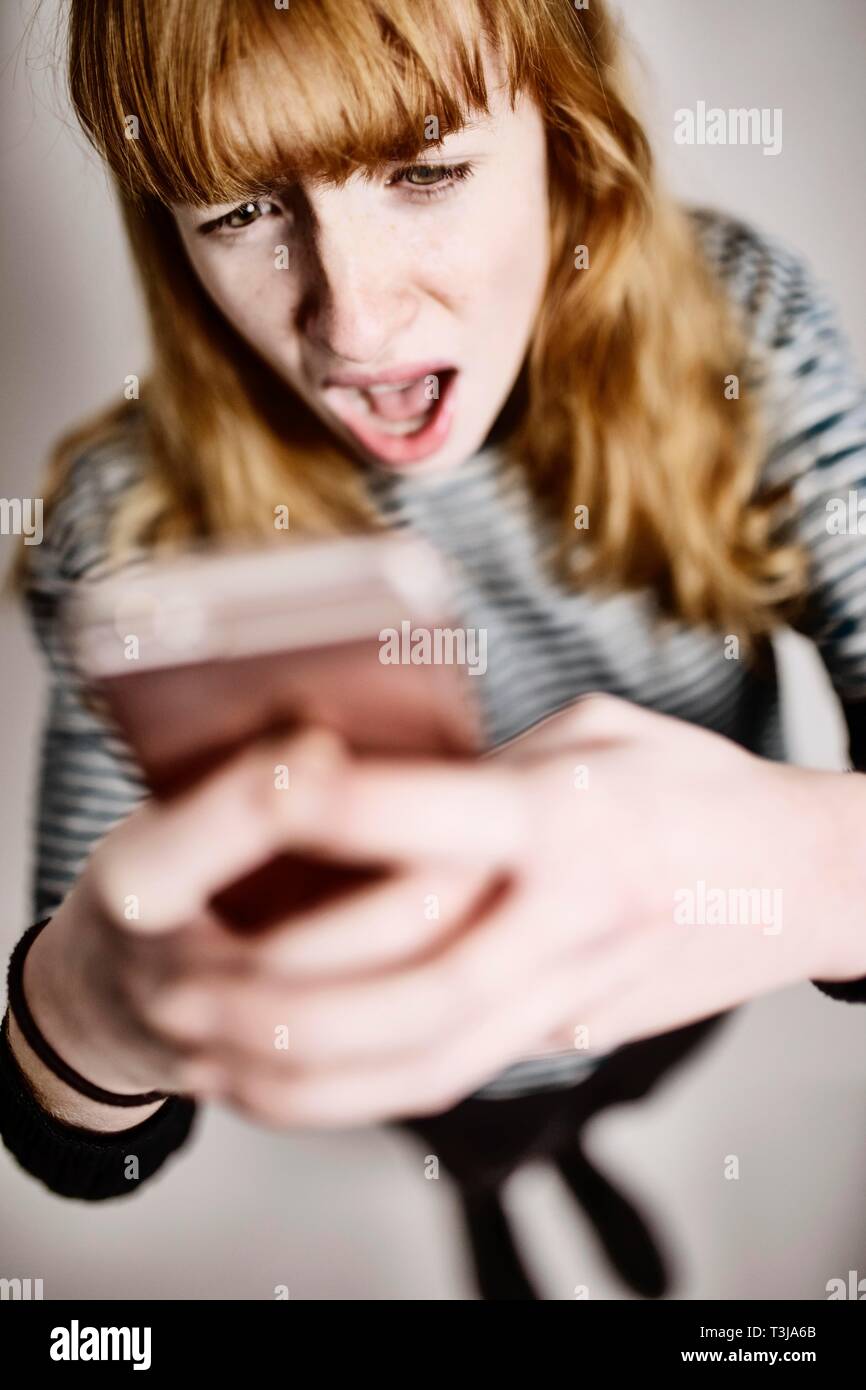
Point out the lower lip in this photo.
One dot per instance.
(399, 450)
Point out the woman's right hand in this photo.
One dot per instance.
(137, 920)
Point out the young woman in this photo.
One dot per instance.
(641, 416)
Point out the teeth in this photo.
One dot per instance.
(359, 400)
(401, 426)
(384, 388)
(360, 403)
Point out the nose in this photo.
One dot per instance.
(358, 299)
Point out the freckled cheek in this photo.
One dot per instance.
(495, 284)
(256, 297)
(493, 253)
(517, 275)
(522, 248)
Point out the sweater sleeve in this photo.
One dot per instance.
(817, 413)
(814, 412)
(87, 781)
(87, 777)
(851, 991)
(79, 1162)
(819, 401)
(816, 402)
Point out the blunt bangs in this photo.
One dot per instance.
(209, 101)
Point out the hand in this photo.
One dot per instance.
(137, 920)
(560, 908)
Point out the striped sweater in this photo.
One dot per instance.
(545, 645)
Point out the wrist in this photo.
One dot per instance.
(62, 1101)
(840, 919)
(75, 1028)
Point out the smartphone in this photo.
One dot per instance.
(194, 656)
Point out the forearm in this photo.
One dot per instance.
(55, 1004)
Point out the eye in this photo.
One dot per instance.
(244, 215)
(425, 181)
(425, 174)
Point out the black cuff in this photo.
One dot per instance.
(851, 991)
(81, 1162)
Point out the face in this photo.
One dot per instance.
(400, 306)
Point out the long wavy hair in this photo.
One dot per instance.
(621, 406)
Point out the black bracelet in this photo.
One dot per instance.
(43, 1049)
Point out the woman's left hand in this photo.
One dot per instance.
(583, 887)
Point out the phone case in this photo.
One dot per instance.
(195, 656)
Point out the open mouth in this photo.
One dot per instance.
(399, 421)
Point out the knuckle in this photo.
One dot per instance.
(597, 712)
(283, 780)
(254, 786)
(107, 875)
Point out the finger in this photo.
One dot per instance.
(373, 1094)
(373, 1016)
(429, 1080)
(378, 1015)
(159, 868)
(403, 810)
(311, 1026)
(379, 926)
